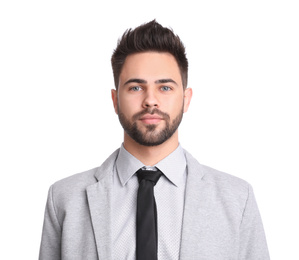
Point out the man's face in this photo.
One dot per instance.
(150, 100)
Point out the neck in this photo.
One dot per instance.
(151, 155)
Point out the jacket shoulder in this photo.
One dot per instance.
(223, 187)
(74, 187)
(211, 175)
(86, 178)
(223, 179)
(76, 181)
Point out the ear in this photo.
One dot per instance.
(114, 99)
(187, 98)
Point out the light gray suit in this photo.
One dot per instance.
(221, 218)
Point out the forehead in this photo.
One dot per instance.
(150, 66)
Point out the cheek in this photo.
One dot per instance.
(174, 106)
(127, 106)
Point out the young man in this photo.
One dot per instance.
(151, 199)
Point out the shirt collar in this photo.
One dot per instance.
(173, 166)
(126, 165)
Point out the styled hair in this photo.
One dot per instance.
(149, 37)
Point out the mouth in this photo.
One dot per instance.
(151, 119)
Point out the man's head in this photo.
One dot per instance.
(149, 37)
(151, 94)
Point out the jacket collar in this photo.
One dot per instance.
(195, 201)
(99, 197)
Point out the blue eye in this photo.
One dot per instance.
(136, 88)
(165, 88)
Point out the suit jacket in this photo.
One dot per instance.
(221, 220)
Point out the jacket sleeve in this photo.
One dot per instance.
(50, 248)
(253, 245)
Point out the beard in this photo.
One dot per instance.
(151, 136)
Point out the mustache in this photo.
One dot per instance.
(151, 112)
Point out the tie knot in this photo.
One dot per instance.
(148, 175)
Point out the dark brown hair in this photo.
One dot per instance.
(149, 37)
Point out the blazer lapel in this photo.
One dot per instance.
(99, 197)
(194, 209)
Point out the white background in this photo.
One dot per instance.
(57, 117)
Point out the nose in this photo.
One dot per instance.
(150, 100)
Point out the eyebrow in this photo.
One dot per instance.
(142, 81)
(165, 81)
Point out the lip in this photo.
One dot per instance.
(151, 119)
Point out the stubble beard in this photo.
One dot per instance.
(151, 136)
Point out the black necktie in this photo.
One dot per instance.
(146, 236)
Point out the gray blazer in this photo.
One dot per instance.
(221, 219)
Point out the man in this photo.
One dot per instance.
(151, 199)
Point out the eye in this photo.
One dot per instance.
(165, 88)
(135, 88)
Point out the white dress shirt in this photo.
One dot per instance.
(169, 194)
